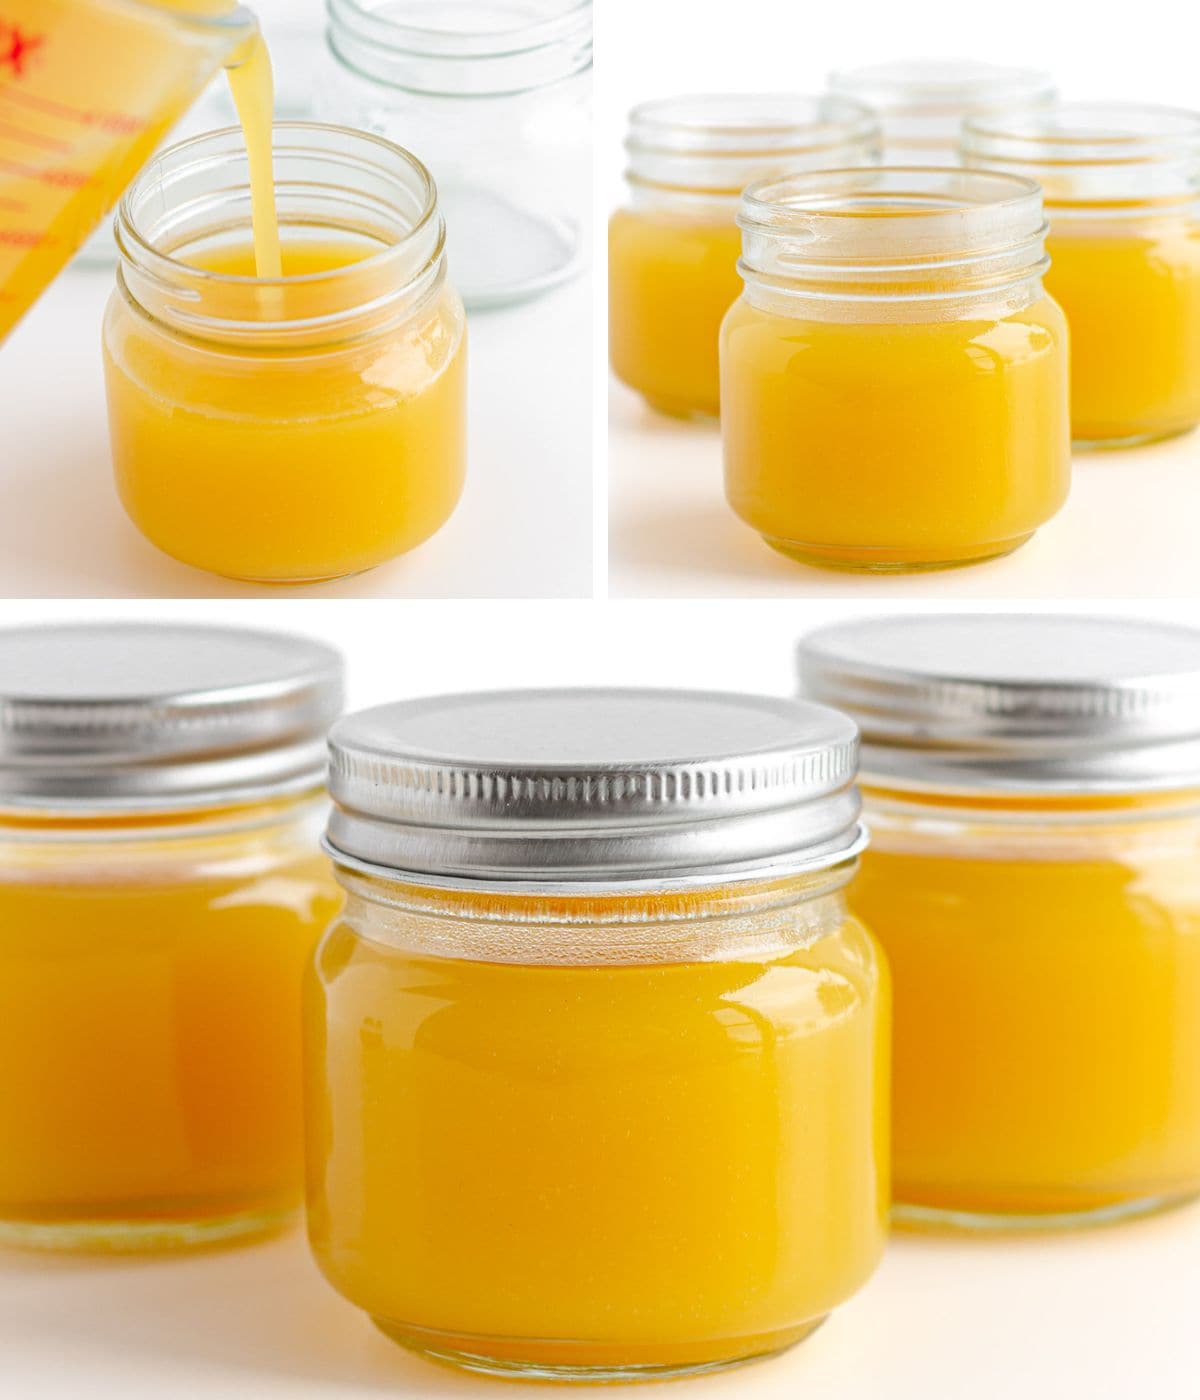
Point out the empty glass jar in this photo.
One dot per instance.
(596, 1060)
(496, 98)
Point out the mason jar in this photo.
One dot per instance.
(673, 249)
(1032, 785)
(894, 375)
(922, 103)
(292, 429)
(1121, 185)
(161, 886)
(596, 1057)
(497, 98)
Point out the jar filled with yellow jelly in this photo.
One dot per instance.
(297, 428)
(161, 886)
(1122, 192)
(894, 376)
(89, 89)
(673, 249)
(1032, 786)
(596, 1059)
(922, 103)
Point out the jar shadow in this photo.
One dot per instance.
(219, 1316)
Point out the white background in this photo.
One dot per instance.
(1130, 525)
(522, 529)
(1106, 1314)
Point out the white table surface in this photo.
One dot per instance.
(1107, 1314)
(522, 529)
(1129, 529)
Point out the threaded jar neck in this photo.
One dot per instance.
(709, 147)
(890, 234)
(1094, 157)
(462, 48)
(333, 186)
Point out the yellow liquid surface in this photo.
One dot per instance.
(149, 1038)
(1047, 1043)
(895, 445)
(280, 464)
(1133, 305)
(652, 1165)
(670, 283)
(88, 89)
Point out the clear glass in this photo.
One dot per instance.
(297, 429)
(150, 977)
(894, 376)
(1046, 956)
(597, 1137)
(497, 99)
(1122, 192)
(91, 87)
(923, 103)
(673, 249)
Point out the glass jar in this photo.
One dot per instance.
(293, 429)
(894, 376)
(497, 97)
(91, 87)
(1121, 186)
(673, 250)
(161, 887)
(1033, 790)
(596, 1058)
(923, 103)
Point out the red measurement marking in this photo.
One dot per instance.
(15, 48)
(32, 138)
(66, 179)
(21, 238)
(121, 122)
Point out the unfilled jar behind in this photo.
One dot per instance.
(596, 1060)
(160, 890)
(1033, 789)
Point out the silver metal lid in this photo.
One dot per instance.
(1003, 702)
(145, 716)
(553, 788)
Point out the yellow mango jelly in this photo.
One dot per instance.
(1039, 902)
(569, 1125)
(1120, 187)
(155, 919)
(88, 88)
(299, 428)
(894, 378)
(673, 251)
(922, 103)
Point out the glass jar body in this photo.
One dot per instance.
(661, 1151)
(506, 134)
(299, 429)
(672, 276)
(1130, 287)
(149, 1023)
(1047, 966)
(894, 437)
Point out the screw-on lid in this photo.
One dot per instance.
(1015, 703)
(144, 716)
(556, 788)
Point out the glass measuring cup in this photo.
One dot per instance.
(88, 88)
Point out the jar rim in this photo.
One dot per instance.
(1085, 133)
(549, 29)
(842, 194)
(129, 232)
(367, 188)
(720, 123)
(927, 85)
